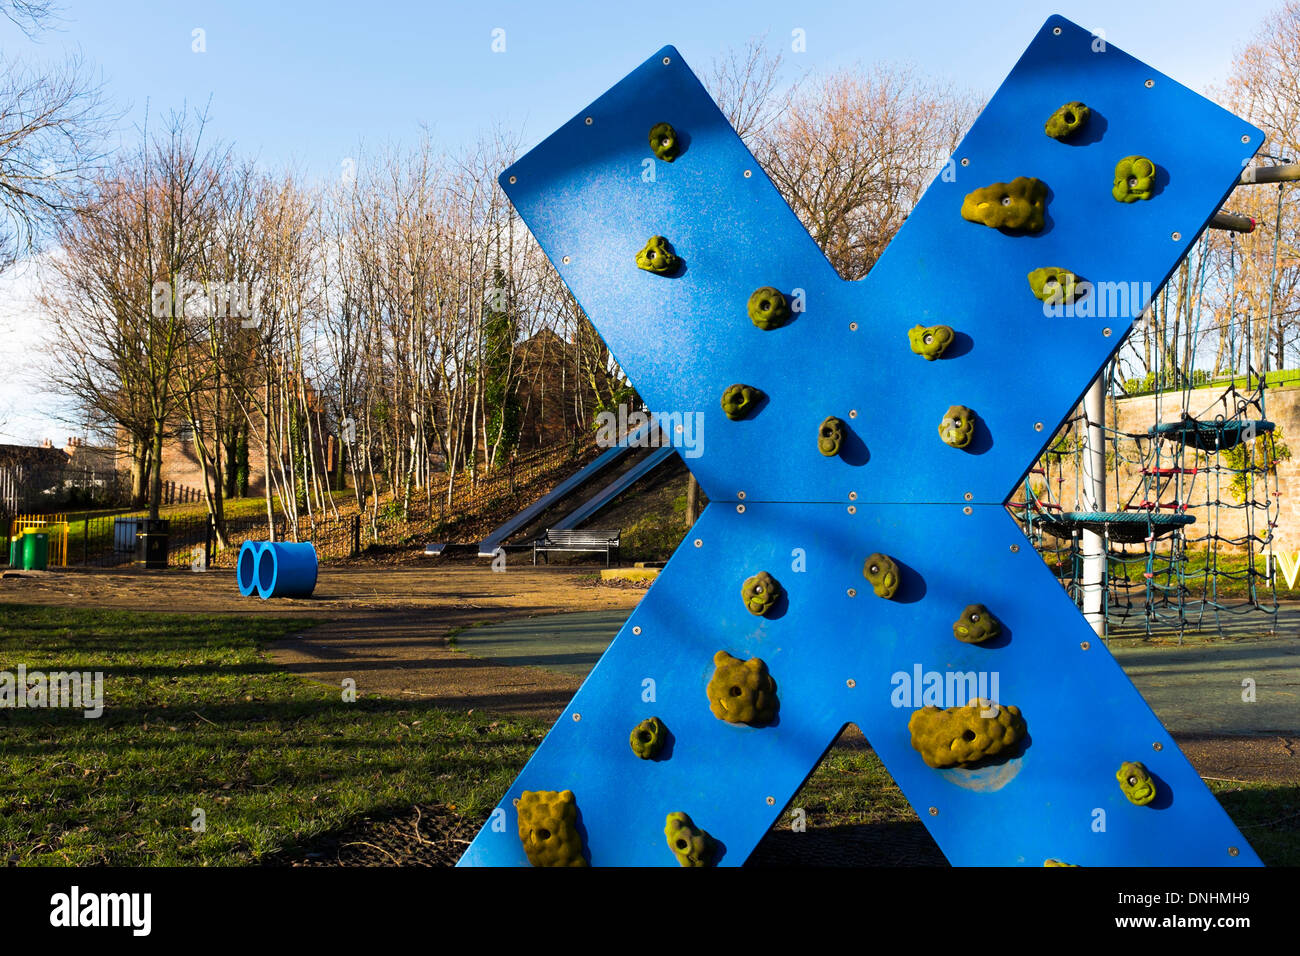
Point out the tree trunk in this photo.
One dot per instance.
(139, 472)
(155, 466)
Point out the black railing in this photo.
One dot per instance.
(108, 540)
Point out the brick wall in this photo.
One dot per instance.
(180, 463)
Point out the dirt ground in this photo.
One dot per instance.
(436, 835)
(439, 586)
(386, 628)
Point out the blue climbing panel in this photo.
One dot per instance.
(593, 193)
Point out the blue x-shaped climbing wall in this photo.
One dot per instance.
(779, 505)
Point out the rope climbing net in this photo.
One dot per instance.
(1189, 506)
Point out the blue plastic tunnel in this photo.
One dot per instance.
(246, 568)
(286, 570)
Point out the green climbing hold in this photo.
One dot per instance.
(647, 738)
(1051, 862)
(1019, 204)
(657, 256)
(964, 734)
(1135, 178)
(1136, 782)
(976, 625)
(1067, 120)
(760, 593)
(930, 341)
(882, 571)
(739, 400)
(548, 828)
(663, 142)
(691, 845)
(958, 426)
(830, 435)
(741, 692)
(1056, 286)
(768, 308)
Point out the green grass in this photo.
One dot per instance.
(1231, 581)
(1279, 378)
(852, 786)
(194, 716)
(1268, 816)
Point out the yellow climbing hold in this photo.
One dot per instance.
(548, 828)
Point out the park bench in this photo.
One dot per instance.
(589, 539)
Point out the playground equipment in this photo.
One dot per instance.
(286, 570)
(1197, 491)
(1014, 781)
(276, 569)
(246, 567)
(548, 828)
(648, 738)
(691, 845)
(487, 548)
(738, 401)
(615, 488)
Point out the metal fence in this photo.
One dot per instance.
(108, 539)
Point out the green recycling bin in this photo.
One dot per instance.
(16, 550)
(36, 550)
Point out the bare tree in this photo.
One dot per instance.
(745, 85)
(33, 17)
(1265, 88)
(853, 151)
(116, 295)
(52, 122)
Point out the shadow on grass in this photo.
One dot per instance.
(866, 844)
(1269, 818)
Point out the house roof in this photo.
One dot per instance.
(32, 455)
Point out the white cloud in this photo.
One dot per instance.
(29, 409)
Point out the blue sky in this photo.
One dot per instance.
(302, 83)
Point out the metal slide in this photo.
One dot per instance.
(614, 489)
(488, 546)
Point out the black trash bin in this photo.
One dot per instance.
(151, 538)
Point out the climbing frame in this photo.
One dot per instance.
(926, 453)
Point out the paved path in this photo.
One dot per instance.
(565, 643)
(1195, 688)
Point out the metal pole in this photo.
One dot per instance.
(1254, 175)
(1094, 494)
(1232, 222)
